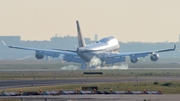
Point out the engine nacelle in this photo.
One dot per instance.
(134, 60)
(39, 56)
(154, 57)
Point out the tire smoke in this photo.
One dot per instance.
(70, 67)
(95, 62)
(121, 66)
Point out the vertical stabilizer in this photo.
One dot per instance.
(80, 37)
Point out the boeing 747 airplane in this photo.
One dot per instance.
(106, 50)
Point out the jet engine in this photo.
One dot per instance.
(134, 59)
(154, 57)
(39, 56)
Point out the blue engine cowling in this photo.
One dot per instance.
(38, 56)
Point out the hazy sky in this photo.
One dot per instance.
(127, 20)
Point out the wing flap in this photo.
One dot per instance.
(120, 56)
(46, 52)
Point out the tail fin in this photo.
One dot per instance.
(80, 37)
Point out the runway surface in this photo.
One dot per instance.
(27, 83)
(168, 97)
(4, 84)
(28, 70)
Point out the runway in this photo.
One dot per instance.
(48, 70)
(27, 83)
(168, 97)
(4, 84)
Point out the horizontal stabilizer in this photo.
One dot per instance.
(64, 50)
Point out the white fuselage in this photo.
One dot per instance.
(99, 49)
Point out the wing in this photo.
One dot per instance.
(134, 56)
(69, 56)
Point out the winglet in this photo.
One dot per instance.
(174, 46)
(4, 43)
(165, 50)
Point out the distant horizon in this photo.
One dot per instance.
(84, 37)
